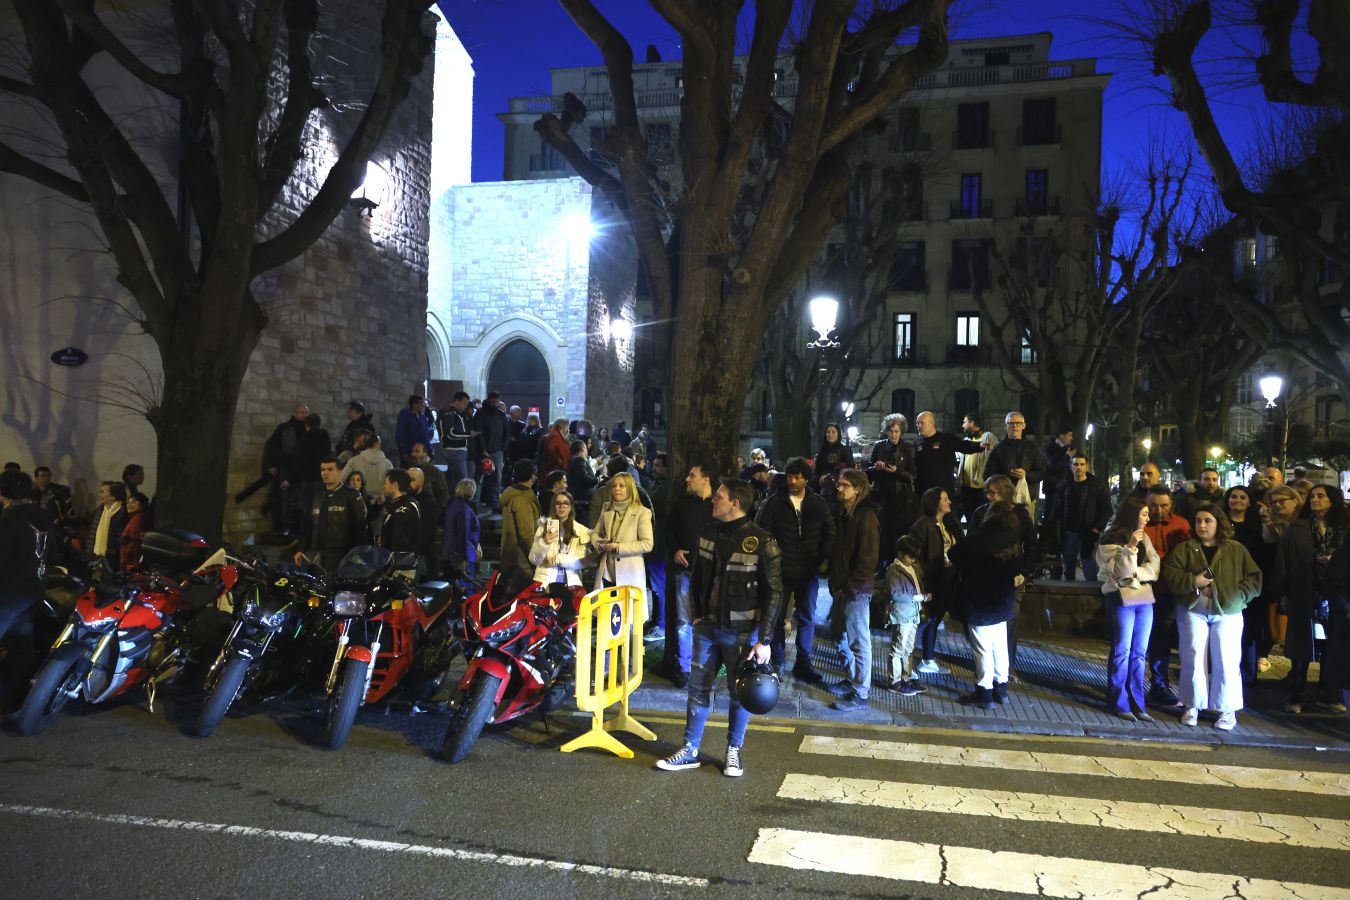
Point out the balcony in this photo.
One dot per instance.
(982, 210)
(1039, 137)
(1008, 74)
(547, 162)
(913, 355)
(1036, 206)
(968, 356)
(973, 141)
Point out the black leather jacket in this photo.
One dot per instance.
(804, 538)
(744, 561)
(402, 528)
(337, 520)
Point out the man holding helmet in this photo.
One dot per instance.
(736, 596)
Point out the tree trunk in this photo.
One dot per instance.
(194, 425)
(1127, 343)
(792, 430)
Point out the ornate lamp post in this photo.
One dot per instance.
(824, 313)
(1271, 386)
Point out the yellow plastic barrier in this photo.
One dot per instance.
(609, 665)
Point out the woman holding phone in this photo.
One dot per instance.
(560, 544)
(1127, 565)
(1213, 578)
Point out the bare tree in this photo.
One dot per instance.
(246, 81)
(1296, 185)
(761, 183)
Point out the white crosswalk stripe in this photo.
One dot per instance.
(1190, 821)
(1323, 783)
(1052, 875)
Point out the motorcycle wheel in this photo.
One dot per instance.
(227, 686)
(468, 725)
(342, 710)
(48, 695)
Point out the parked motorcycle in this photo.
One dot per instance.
(264, 643)
(387, 633)
(520, 637)
(125, 631)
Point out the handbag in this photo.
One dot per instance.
(1136, 596)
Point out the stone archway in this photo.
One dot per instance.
(519, 372)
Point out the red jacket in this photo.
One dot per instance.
(556, 453)
(1166, 535)
(129, 551)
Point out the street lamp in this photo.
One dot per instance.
(1271, 385)
(1147, 444)
(1215, 452)
(824, 312)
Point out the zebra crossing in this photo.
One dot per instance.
(1250, 808)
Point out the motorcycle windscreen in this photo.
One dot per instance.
(362, 563)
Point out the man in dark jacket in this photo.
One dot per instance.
(1057, 469)
(1018, 458)
(581, 483)
(801, 523)
(436, 487)
(689, 515)
(357, 420)
(52, 498)
(1081, 509)
(412, 427)
(494, 430)
(281, 460)
(736, 592)
(935, 456)
(336, 522)
(401, 530)
(852, 579)
(23, 536)
(1207, 490)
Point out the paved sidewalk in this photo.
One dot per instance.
(1059, 689)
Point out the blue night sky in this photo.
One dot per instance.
(514, 43)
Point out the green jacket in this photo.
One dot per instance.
(520, 518)
(1237, 580)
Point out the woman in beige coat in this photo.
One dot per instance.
(622, 536)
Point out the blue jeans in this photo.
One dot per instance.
(1074, 550)
(1130, 629)
(851, 621)
(802, 590)
(456, 467)
(679, 633)
(656, 578)
(713, 648)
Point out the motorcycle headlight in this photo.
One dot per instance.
(349, 603)
(505, 634)
(274, 619)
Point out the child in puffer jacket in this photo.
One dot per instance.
(904, 578)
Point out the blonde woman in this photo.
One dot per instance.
(560, 544)
(622, 536)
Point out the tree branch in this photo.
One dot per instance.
(17, 164)
(284, 147)
(81, 14)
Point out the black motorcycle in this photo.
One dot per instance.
(265, 644)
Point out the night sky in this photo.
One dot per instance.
(515, 42)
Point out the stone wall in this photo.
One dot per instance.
(346, 320)
(612, 311)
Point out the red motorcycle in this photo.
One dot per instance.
(520, 637)
(386, 632)
(125, 631)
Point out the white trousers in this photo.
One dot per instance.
(1211, 650)
(989, 645)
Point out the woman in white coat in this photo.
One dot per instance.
(560, 544)
(622, 536)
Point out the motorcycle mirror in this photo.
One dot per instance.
(403, 560)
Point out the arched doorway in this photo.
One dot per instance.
(519, 373)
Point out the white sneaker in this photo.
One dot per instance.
(931, 667)
(1191, 716)
(684, 758)
(733, 767)
(1227, 721)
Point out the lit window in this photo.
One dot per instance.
(967, 330)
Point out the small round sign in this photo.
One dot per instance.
(615, 619)
(70, 356)
(561, 401)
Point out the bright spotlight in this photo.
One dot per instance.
(621, 329)
(577, 228)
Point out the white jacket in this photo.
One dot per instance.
(567, 559)
(632, 532)
(1118, 565)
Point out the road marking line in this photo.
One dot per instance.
(1248, 777)
(1021, 873)
(337, 840)
(1188, 821)
(1153, 742)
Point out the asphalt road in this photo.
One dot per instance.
(116, 799)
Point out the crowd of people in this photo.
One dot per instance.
(905, 534)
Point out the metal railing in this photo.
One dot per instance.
(1040, 206)
(982, 210)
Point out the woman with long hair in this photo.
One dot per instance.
(937, 531)
(852, 579)
(622, 536)
(987, 564)
(560, 543)
(1302, 562)
(1127, 565)
(832, 458)
(1213, 578)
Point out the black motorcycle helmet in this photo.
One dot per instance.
(757, 687)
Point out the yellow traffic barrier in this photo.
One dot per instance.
(609, 665)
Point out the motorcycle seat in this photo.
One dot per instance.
(434, 596)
